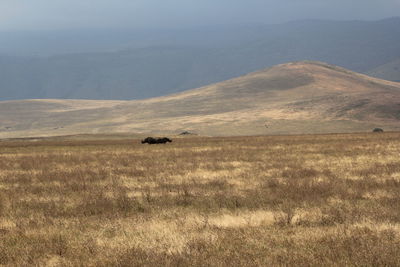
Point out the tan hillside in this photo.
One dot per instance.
(300, 97)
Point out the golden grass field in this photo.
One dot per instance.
(311, 200)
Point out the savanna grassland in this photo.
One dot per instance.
(309, 200)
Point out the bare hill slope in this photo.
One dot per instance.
(300, 97)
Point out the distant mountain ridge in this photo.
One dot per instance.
(388, 71)
(139, 66)
(293, 98)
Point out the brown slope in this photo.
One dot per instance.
(300, 97)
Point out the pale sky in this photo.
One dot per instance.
(67, 14)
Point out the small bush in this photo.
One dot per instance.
(3, 205)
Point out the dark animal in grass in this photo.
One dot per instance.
(151, 140)
(163, 140)
(378, 130)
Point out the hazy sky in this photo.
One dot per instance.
(55, 14)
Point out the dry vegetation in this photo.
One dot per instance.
(239, 201)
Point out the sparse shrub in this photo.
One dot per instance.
(126, 205)
(286, 213)
(3, 204)
(185, 197)
(4, 256)
(378, 130)
(59, 244)
(341, 213)
(147, 195)
(96, 204)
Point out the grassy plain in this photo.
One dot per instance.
(311, 200)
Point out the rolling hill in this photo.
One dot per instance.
(299, 97)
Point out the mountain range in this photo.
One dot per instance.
(389, 71)
(127, 65)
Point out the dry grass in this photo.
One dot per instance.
(253, 201)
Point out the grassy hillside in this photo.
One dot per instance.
(141, 67)
(301, 97)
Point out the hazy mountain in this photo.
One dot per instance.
(49, 43)
(148, 64)
(389, 71)
(301, 97)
